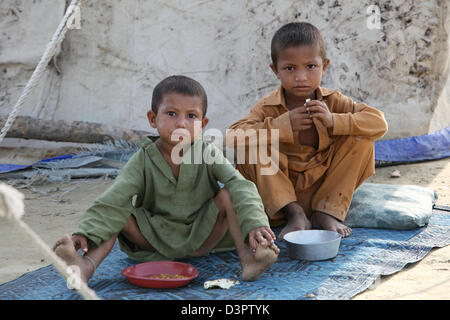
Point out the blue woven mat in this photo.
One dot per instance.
(362, 257)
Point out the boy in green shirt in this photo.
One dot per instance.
(162, 209)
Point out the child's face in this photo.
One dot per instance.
(178, 111)
(300, 70)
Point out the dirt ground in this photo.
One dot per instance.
(53, 209)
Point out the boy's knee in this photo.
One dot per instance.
(366, 148)
(223, 199)
(364, 143)
(224, 195)
(129, 226)
(357, 146)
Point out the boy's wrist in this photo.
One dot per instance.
(332, 123)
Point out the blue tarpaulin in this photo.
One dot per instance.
(431, 146)
(6, 167)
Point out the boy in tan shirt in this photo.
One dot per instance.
(326, 141)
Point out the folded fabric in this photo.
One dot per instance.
(390, 206)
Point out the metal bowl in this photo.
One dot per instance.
(312, 245)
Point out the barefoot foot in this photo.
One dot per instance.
(327, 222)
(65, 249)
(254, 264)
(296, 220)
(294, 225)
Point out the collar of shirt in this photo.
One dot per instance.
(277, 98)
(189, 157)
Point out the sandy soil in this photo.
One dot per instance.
(53, 209)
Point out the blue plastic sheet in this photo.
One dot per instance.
(432, 146)
(6, 167)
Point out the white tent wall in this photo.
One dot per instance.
(105, 71)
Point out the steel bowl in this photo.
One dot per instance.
(312, 245)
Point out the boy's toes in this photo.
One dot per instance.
(56, 245)
(63, 241)
(347, 232)
(344, 231)
(275, 248)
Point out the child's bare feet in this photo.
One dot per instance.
(255, 263)
(296, 219)
(327, 222)
(65, 249)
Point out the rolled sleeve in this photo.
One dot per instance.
(341, 124)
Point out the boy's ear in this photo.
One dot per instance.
(326, 62)
(204, 122)
(151, 116)
(274, 69)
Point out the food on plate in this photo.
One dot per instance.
(166, 276)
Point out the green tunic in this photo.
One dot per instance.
(175, 216)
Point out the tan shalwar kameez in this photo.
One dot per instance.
(322, 179)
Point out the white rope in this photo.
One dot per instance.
(12, 208)
(11, 200)
(42, 65)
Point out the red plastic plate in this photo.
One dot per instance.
(139, 274)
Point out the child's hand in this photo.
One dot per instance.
(300, 119)
(319, 110)
(80, 241)
(260, 236)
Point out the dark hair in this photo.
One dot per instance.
(178, 84)
(295, 34)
